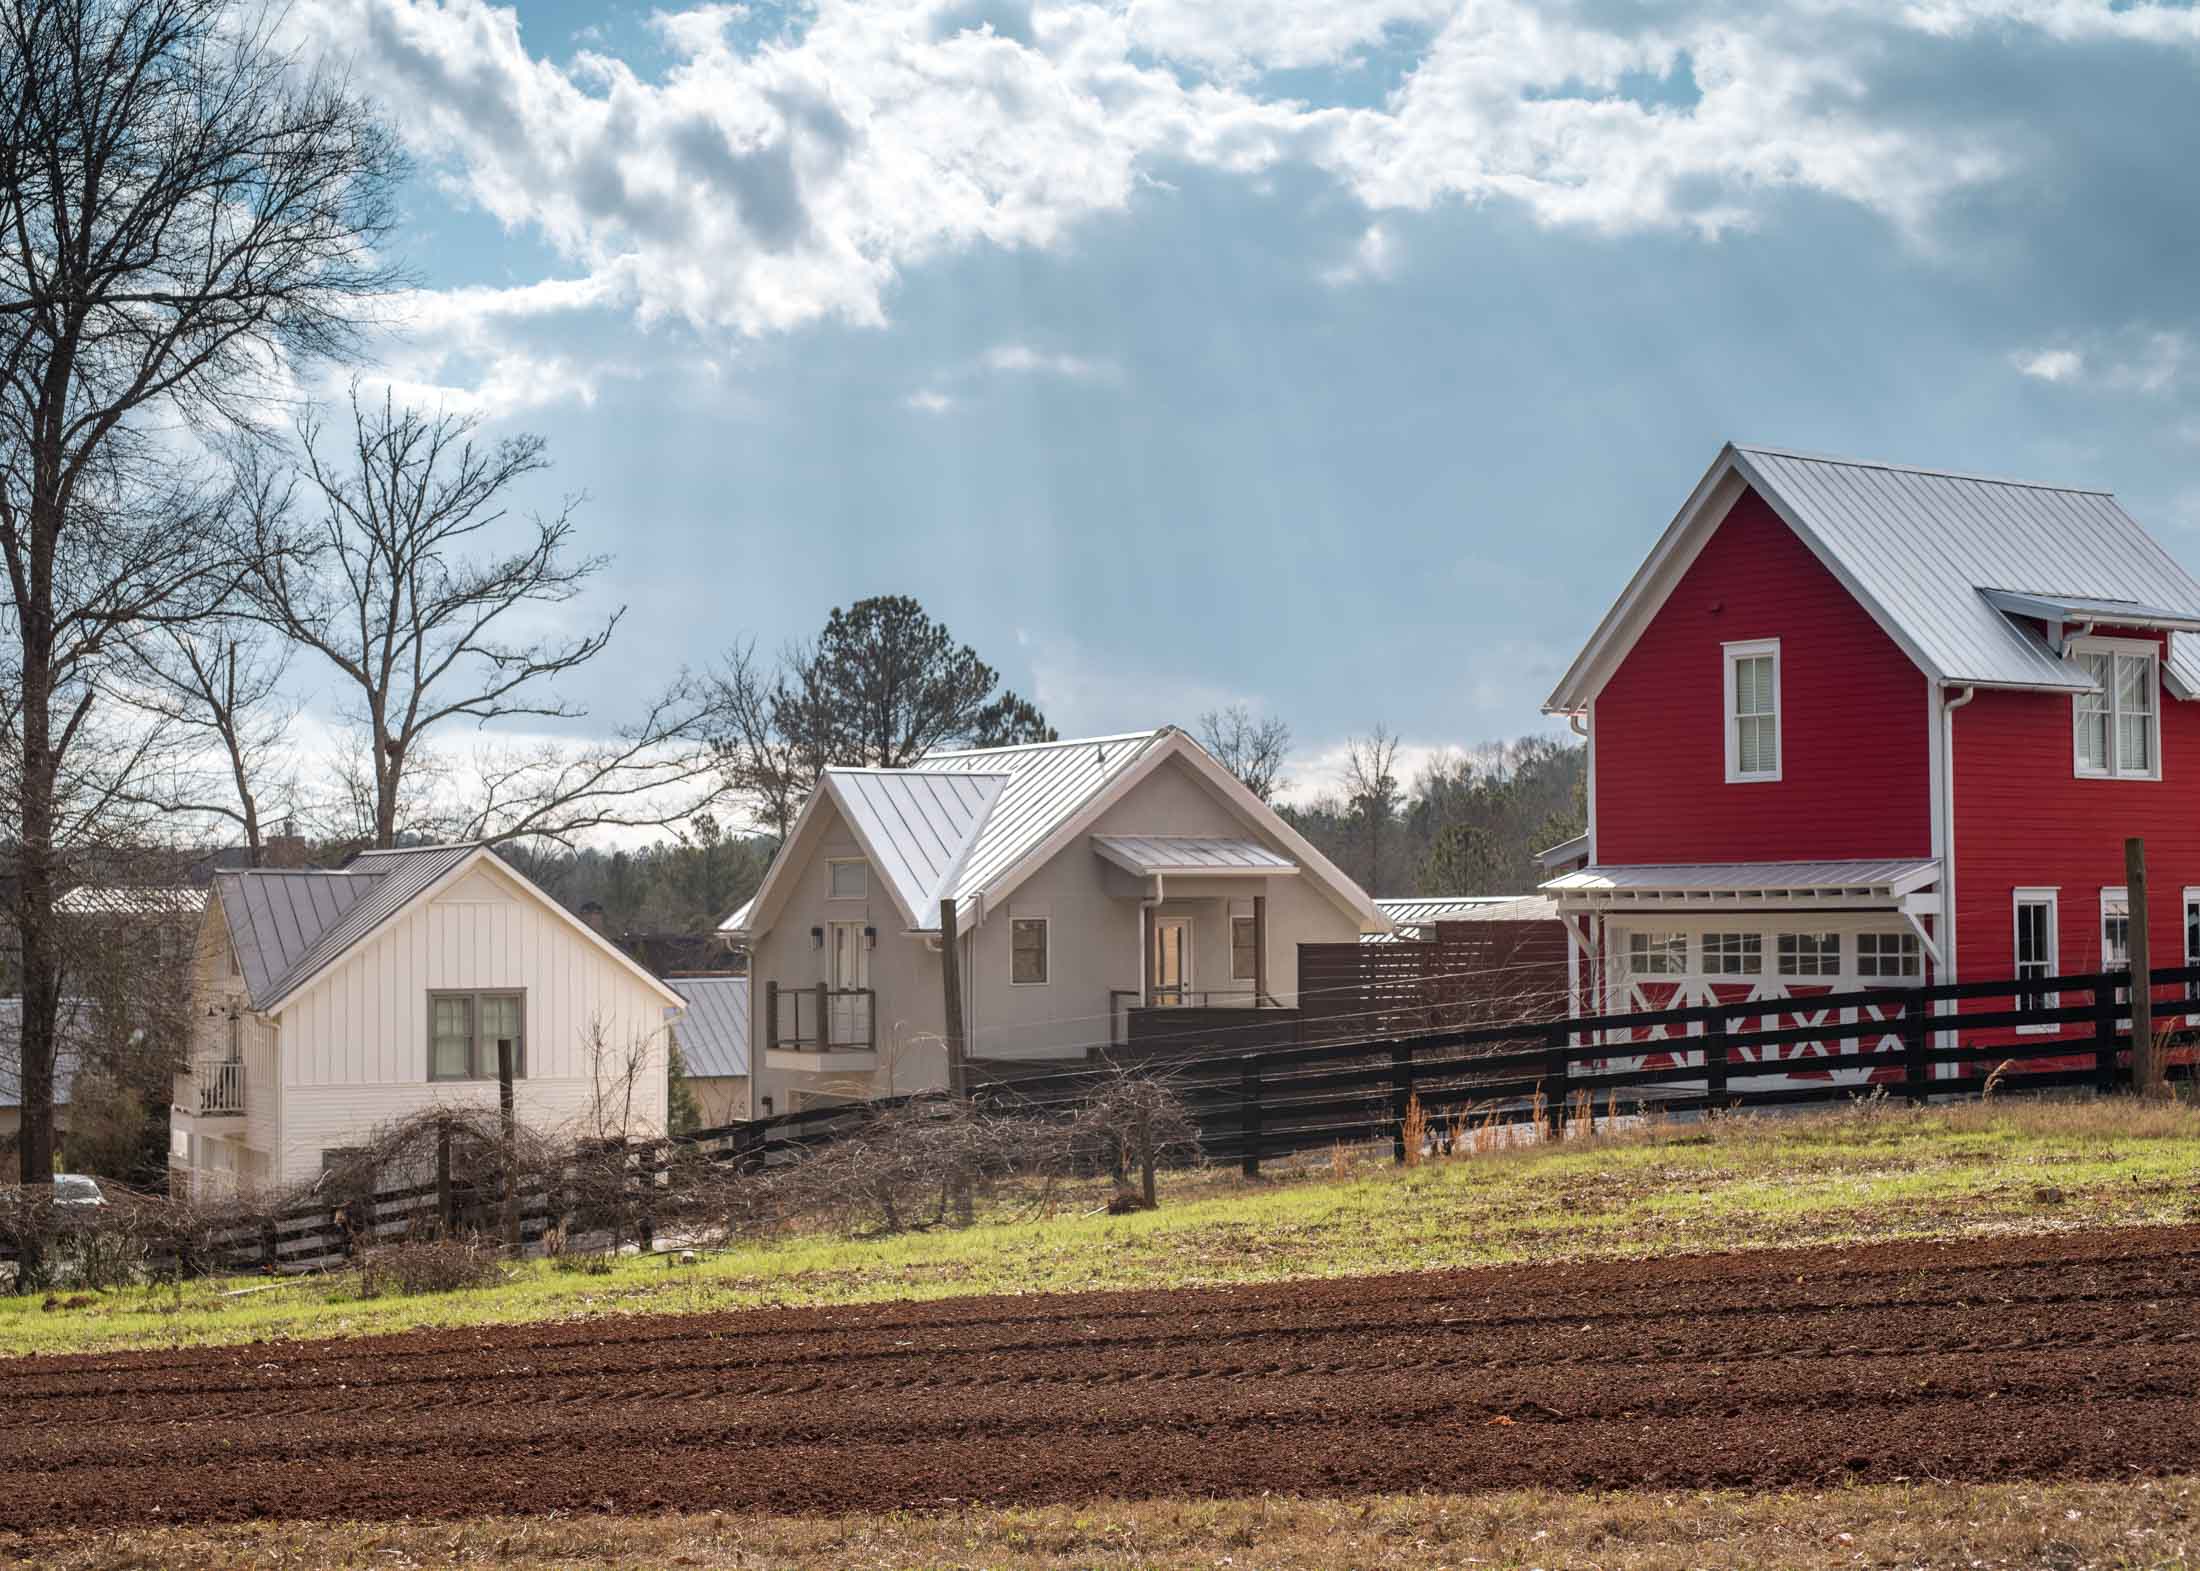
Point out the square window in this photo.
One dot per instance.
(1810, 954)
(848, 880)
(1027, 945)
(465, 1031)
(1884, 955)
(1734, 954)
(1657, 954)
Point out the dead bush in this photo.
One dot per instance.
(913, 1165)
(437, 1265)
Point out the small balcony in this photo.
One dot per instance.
(820, 1028)
(214, 1088)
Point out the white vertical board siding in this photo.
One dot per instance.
(355, 1042)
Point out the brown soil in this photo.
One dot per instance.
(2069, 1356)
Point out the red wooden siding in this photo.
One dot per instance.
(2023, 819)
(1855, 763)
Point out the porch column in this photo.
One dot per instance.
(1260, 951)
(1145, 955)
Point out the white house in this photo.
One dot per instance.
(1104, 888)
(328, 1003)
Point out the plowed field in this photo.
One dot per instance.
(2073, 1355)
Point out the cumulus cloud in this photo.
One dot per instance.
(930, 401)
(2050, 365)
(2151, 361)
(1374, 257)
(1022, 359)
(753, 185)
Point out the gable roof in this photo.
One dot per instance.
(1040, 794)
(288, 927)
(1923, 551)
(714, 1034)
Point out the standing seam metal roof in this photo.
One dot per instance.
(920, 823)
(1192, 854)
(286, 926)
(714, 1033)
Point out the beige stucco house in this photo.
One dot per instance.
(328, 1003)
(1091, 880)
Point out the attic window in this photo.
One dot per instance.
(2117, 726)
(1753, 710)
(848, 881)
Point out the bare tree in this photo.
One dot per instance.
(396, 586)
(180, 213)
(1370, 780)
(1251, 748)
(222, 683)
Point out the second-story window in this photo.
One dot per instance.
(1753, 710)
(848, 880)
(465, 1031)
(1027, 951)
(2117, 731)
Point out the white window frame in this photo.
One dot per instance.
(1731, 723)
(1726, 952)
(1658, 944)
(1908, 955)
(2190, 910)
(2051, 898)
(1790, 965)
(2115, 900)
(2118, 648)
(1046, 949)
(832, 871)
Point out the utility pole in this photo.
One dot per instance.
(2142, 985)
(951, 986)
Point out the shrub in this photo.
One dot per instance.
(443, 1265)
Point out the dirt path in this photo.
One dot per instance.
(2063, 1356)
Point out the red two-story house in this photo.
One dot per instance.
(1855, 725)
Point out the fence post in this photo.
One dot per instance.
(1555, 1076)
(646, 1226)
(1916, 1073)
(443, 1177)
(2141, 961)
(771, 1015)
(1249, 1112)
(1401, 1097)
(2104, 1036)
(824, 1015)
(1715, 1052)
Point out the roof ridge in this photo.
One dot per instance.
(1917, 469)
(1067, 741)
(919, 769)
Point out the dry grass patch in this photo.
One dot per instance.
(2150, 1524)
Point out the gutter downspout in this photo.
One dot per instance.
(1948, 708)
(1574, 723)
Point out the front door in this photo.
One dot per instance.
(1172, 961)
(850, 1021)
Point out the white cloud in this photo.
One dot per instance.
(2050, 365)
(1022, 359)
(1375, 257)
(929, 401)
(757, 186)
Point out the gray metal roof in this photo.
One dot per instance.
(1876, 878)
(1565, 851)
(1920, 548)
(1047, 783)
(1414, 913)
(918, 824)
(1191, 854)
(286, 926)
(76, 1025)
(714, 1033)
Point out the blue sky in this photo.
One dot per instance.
(1338, 358)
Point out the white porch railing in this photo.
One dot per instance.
(220, 1083)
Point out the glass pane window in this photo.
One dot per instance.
(1734, 954)
(1027, 941)
(1242, 958)
(2116, 732)
(1889, 955)
(454, 1037)
(500, 1023)
(1657, 954)
(1810, 954)
(2035, 948)
(849, 880)
(2192, 941)
(1756, 715)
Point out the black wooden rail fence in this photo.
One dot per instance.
(1281, 1101)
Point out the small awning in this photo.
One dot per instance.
(1200, 856)
(1731, 885)
(2056, 609)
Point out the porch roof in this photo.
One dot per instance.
(1205, 856)
(1728, 884)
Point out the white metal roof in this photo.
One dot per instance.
(714, 1033)
(1148, 855)
(1873, 880)
(1565, 851)
(1919, 548)
(1047, 783)
(132, 900)
(1414, 913)
(917, 826)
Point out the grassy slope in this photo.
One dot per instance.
(1735, 1183)
(2151, 1523)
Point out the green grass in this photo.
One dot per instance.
(1871, 1173)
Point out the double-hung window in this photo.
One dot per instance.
(1753, 710)
(1027, 951)
(2037, 946)
(2118, 725)
(2116, 935)
(1244, 962)
(465, 1031)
